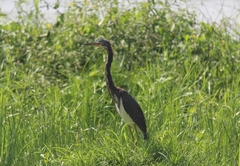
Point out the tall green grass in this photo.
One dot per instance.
(55, 108)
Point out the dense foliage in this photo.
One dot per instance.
(55, 108)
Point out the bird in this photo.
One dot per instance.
(126, 106)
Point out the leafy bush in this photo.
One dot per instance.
(55, 108)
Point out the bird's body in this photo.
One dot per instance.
(131, 113)
(126, 105)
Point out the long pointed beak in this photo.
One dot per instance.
(92, 44)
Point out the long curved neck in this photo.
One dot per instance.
(111, 87)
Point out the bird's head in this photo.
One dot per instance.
(100, 43)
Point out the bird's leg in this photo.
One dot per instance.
(136, 134)
(131, 133)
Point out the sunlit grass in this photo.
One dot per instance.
(55, 108)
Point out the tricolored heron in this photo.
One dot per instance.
(126, 105)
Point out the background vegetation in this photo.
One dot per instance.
(54, 104)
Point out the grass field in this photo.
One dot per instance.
(55, 108)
